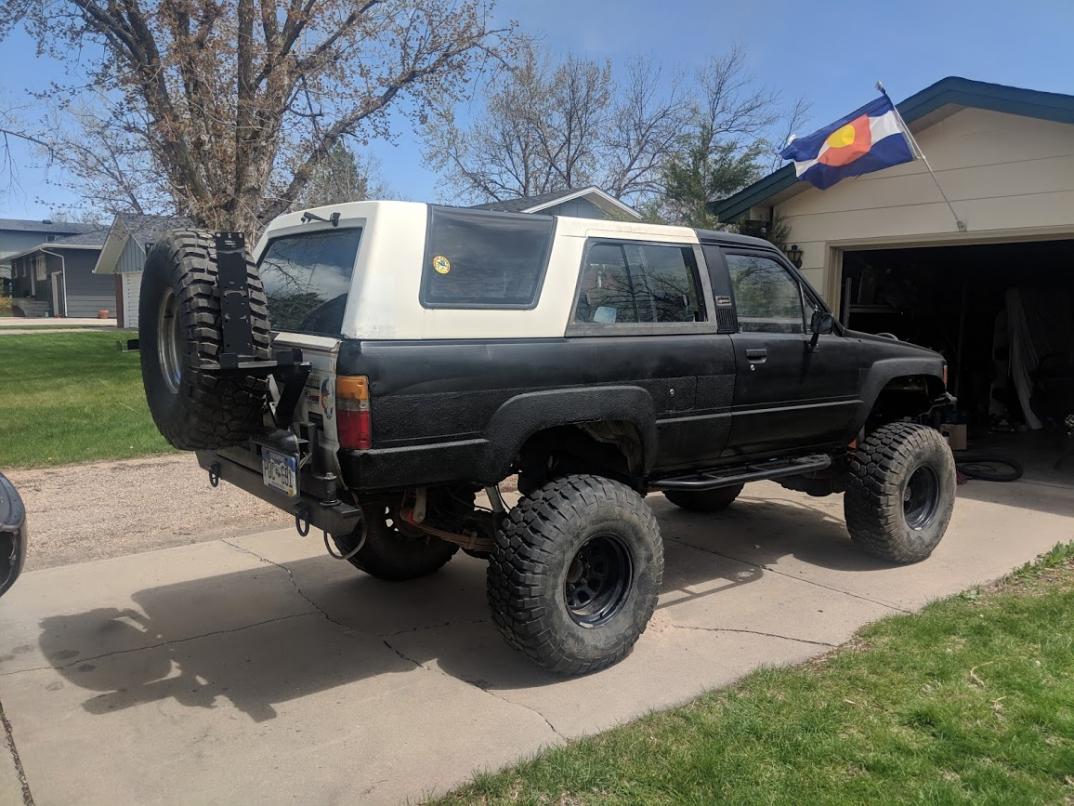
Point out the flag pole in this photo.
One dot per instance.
(921, 155)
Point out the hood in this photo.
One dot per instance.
(874, 338)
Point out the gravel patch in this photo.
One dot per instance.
(106, 509)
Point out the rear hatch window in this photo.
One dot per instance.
(307, 277)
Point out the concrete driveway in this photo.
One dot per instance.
(256, 669)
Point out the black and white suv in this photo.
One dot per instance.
(372, 367)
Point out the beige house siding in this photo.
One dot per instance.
(1008, 177)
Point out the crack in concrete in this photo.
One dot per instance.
(776, 571)
(158, 645)
(294, 584)
(473, 684)
(753, 632)
(437, 626)
(384, 638)
(9, 737)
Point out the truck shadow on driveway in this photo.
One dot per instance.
(264, 636)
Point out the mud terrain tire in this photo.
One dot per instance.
(179, 319)
(575, 574)
(900, 492)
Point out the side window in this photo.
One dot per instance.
(483, 259)
(628, 282)
(768, 298)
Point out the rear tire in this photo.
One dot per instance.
(179, 319)
(395, 553)
(575, 574)
(705, 500)
(900, 492)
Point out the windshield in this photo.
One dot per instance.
(307, 277)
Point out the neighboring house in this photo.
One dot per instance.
(123, 255)
(590, 202)
(56, 278)
(995, 294)
(17, 235)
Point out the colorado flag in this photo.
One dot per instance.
(866, 140)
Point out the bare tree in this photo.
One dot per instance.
(645, 126)
(547, 127)
(235, 102)
(538, 131)
(724, 143)
(795, 117)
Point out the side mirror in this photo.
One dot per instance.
(821, 323)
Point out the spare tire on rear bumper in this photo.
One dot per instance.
(179, 332)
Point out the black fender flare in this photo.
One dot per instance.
(884, 371)
(522, 416)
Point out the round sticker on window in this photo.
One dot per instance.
(441, 265)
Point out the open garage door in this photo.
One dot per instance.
(1002, 314)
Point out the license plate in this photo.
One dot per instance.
(280, 471)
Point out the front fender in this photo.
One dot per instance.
(522, 416)
(884, 371)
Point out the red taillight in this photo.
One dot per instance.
(354, 423)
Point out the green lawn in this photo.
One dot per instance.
(971, 701)
(72, 397)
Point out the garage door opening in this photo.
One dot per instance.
(1002, 315)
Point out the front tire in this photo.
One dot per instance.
(575, 574)
(900, 492)
(705, 500)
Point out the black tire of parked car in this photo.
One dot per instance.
(705, 500)
(574, 576)
(900, 492)
(179, 319)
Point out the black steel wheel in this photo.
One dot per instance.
(598, 578)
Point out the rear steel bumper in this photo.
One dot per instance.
(242, 468)
(13, 535)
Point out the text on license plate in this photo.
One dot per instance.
(280, 471)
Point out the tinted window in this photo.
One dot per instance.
(307, 277)
(631, 282)
(767, 298)
(484, 259)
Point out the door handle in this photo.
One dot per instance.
(757, 354)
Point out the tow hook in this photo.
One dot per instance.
(302, 521)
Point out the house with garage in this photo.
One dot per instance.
(17, 235)
(985, 276)
(122, 258)
(587, 202)
(56, 278)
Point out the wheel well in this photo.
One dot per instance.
(611, 448)
(905, 396)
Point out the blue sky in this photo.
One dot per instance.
(830, 53)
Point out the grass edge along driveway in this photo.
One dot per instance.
(969, 701)
(72, 397)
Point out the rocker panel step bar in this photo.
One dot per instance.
(755, 471)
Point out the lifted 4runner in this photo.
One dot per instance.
(419, 354)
